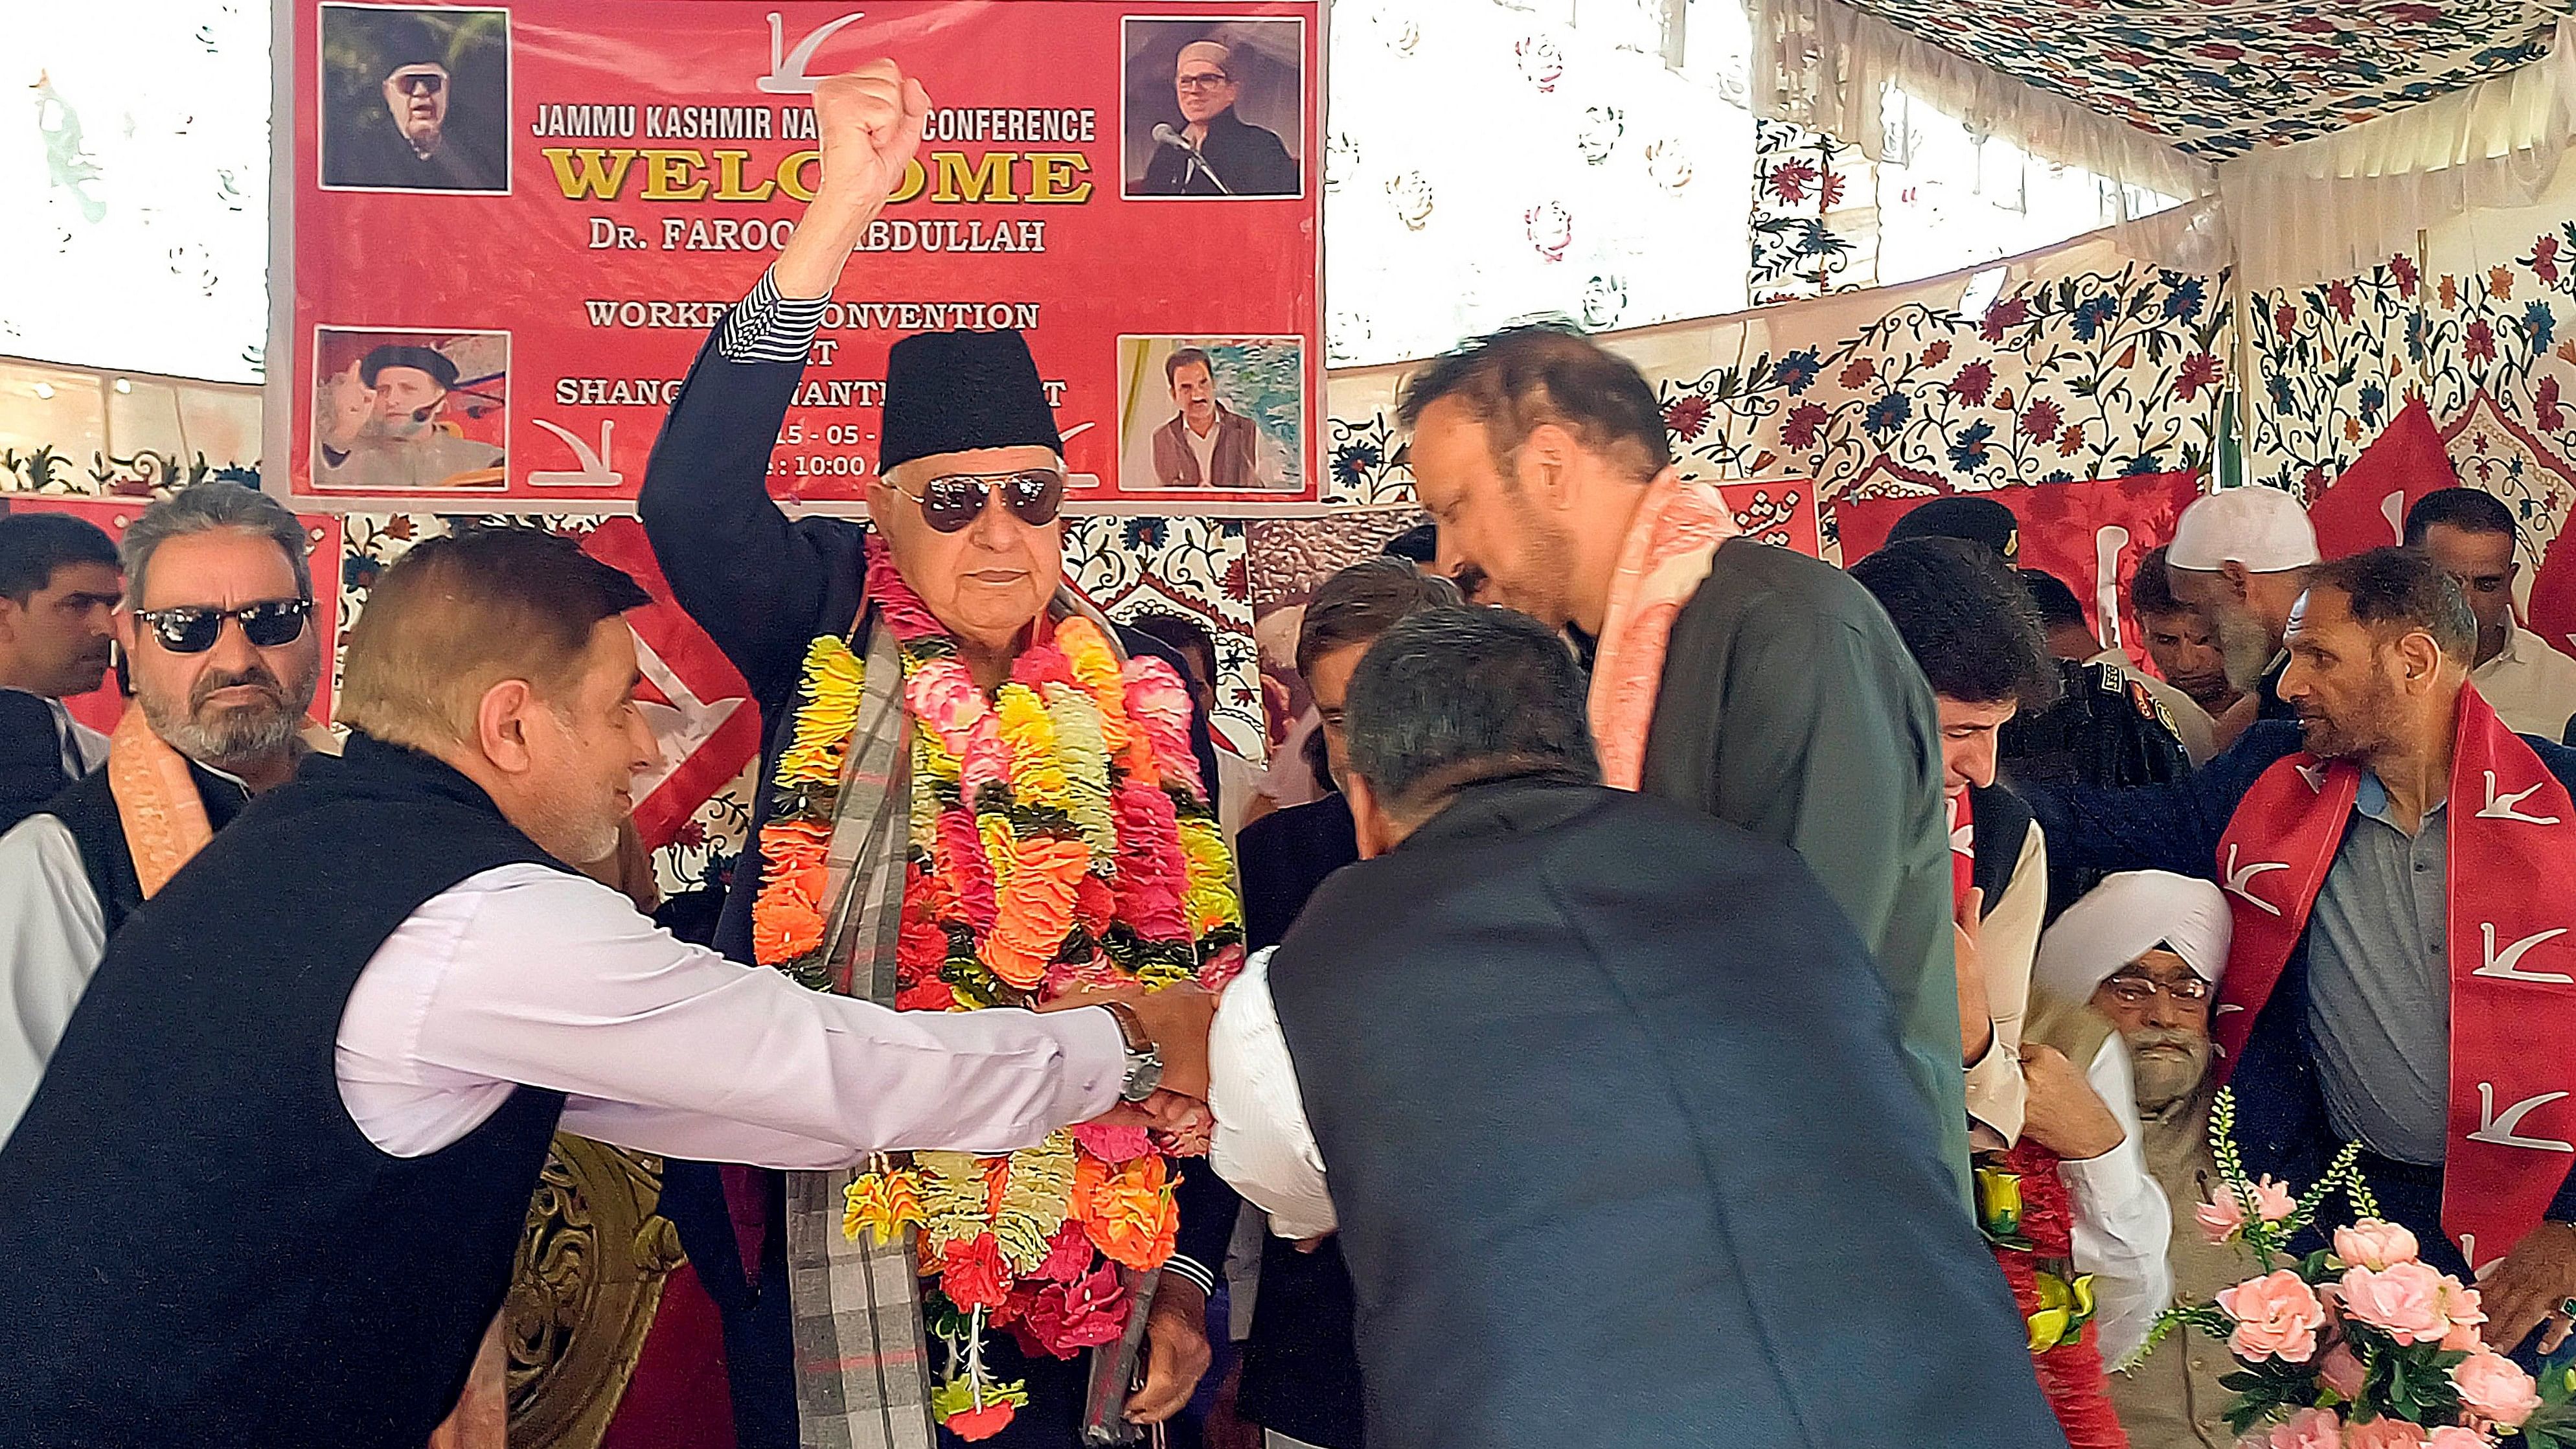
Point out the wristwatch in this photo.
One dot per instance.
(1144, 1059)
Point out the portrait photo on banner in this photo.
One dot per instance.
(410, 410)
(415, 99)
(1213, 108)
(1211, 414)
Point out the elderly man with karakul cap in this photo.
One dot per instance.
(962, 563)
(1214, 152)
(2146, 949)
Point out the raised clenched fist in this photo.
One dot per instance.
(870, 123)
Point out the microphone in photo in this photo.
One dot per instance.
(1164, 135)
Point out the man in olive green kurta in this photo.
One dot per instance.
(1787, 705)
(1790, 707)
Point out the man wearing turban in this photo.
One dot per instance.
(2146, 948)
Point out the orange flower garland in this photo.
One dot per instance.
(1058, 836)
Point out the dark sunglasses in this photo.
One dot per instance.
(194, 630)
(420, 83)
(951, 501)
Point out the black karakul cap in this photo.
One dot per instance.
(440, 367)
(1976, 520)
(946, 392)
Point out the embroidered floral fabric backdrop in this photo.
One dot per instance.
(2481, 324)
(2083, 366)
(2220, 81)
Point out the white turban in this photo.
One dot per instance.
(2124, 918)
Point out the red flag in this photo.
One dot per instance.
(2365, 507)
(700, 708)
(2551, 613)
(1777, 510)
(2089, 534)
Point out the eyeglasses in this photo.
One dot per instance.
(1204, 80)
(420, 83)
(194, 630)
(951, 501)
(2139, 990)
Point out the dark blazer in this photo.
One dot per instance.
(763, 587)
(1606, 1174)
(1250, 160)
(2280, 1113)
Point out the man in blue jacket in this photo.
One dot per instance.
(2399, 866)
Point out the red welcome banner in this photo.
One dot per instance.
(512, 228)
(2089, 534)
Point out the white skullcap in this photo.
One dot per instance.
(2262, 528)
(2124, 918)
(1207, 50)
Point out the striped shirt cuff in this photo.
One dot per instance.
(1192, 1269)
(766, 327)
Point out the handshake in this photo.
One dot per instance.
(1177, 1019)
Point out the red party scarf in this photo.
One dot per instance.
(1963, 848)
(2512, 874)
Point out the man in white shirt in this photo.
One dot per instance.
(359, 1124)
(224, 661)
(58, 589)
(2471, 534)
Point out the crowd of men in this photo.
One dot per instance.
(1692, 949)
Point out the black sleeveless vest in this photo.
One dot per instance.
(88, 811)
(197, 1246)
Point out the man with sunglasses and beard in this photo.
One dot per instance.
(427, 139)
(219, 642)
(965, 510)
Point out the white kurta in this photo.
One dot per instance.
(51, 934)
(2531, 685)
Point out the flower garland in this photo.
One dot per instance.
(1059, 838)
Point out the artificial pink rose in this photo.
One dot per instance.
(2463, 1305)
(2383, 1433)
(2224, 1213)
(2341, 1372)
(2309, 1429)
(2220, 1217)
(2405, 1301)
(2495, 1390)
(2463, 1338)
(2277, 1316)
(2454, 1437)
(2375, 1245)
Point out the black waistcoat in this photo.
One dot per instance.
(88, 811)
(197, 1246)
(1624, 1150)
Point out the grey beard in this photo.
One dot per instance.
(242, 737)
(2163, 1078)
(2244, 646)
(238, 736)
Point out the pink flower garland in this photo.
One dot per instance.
(1151, 870)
